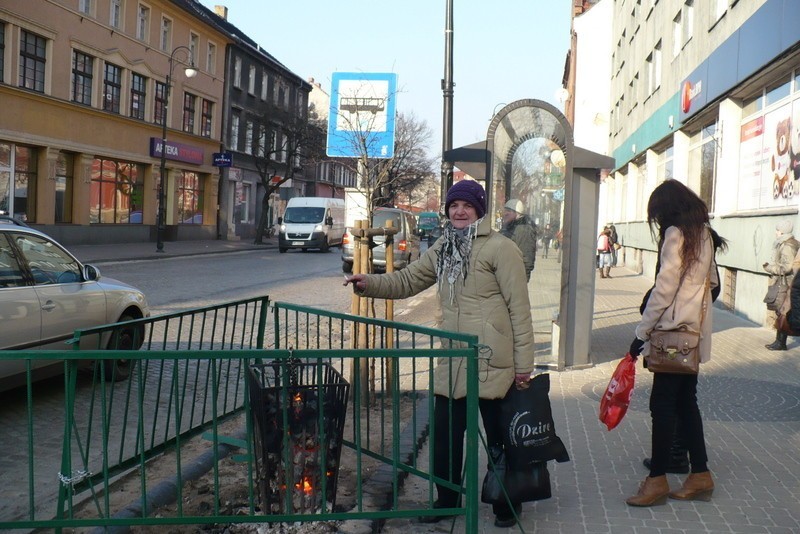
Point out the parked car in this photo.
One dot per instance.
(406, 240)
(46, 294)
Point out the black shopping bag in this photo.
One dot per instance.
(529, 484)
(529, 430)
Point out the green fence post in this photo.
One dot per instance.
(471, 478)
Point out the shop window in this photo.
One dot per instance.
(117, 192)
(665, 165)
(189, 105)
(32, 60)
(65, 165)
(703, 163)
(190, 198)
(112, 88)
(778, 91)
(138, 95)
(82, 78)
(241, 205)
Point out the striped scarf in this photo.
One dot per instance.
(453, 260)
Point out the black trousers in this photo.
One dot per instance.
(450, 420)
(672, 399)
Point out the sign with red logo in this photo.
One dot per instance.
(688, 93)
(176, 151)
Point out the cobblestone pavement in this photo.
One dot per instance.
(749, 397)
(750, 400)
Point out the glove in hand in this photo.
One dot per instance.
(636, 347)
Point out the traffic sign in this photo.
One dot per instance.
(362, 115)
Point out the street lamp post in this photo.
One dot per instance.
(190, 72)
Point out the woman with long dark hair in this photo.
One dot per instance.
(680, 298)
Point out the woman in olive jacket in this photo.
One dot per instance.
(483, 291)
(681, 297)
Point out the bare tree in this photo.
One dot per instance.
(379, 178)
(286, 141)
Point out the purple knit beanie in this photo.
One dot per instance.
(468, 191)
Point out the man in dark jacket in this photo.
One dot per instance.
(518, 227)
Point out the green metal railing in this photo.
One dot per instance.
(188, 379)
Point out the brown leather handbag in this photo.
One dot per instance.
(677, 351)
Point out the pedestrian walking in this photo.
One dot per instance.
(604, 253)
(679, 298)
(784, 250)
(547, 237)
(522, 231)
(480, 278)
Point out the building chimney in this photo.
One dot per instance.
(221, 12)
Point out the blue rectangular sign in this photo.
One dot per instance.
(362, 115)
(222, 159)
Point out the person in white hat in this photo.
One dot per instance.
(784, 249)
(519, 229)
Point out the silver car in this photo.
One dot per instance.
(406, 241)
(46, 294)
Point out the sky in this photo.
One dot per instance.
(503, 50)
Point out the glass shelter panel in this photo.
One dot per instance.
(529, 164)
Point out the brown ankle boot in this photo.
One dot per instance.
(653, 491)
(697, 487)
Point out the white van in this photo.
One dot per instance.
(312, 222)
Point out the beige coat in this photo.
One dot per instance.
(674, 302)
(493, 305)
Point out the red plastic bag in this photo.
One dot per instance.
(617, 396)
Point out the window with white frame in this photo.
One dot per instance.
(248, 137)
(264, 85)
(115, 14)
(143, 22)
(211, 59)
(722, 7)
(654, 69)
(194, 48)
(677, 35)
(237, 72)
(251, 80)
(688, 21)
(85, 6)
(165, 42)
(284, 147)
(235, 131)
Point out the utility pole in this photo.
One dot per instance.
(447, 110)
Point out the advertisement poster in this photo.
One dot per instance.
(769, 159)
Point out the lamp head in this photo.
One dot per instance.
(190, 71)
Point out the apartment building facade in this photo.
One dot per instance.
(84, 92)
(707, 93)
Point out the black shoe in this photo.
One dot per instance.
(435, 518)
(776, 345)
(507, 519)
(504, 522)
(678, 466)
